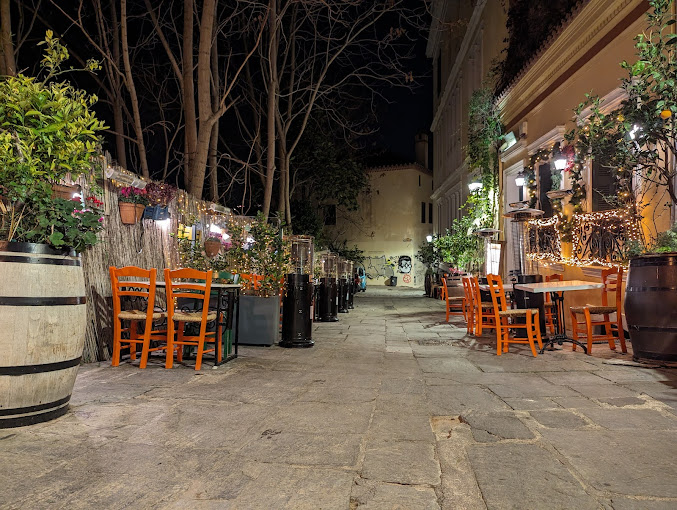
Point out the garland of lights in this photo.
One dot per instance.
(625, 217)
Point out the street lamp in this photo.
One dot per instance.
(474, 186)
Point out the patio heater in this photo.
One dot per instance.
(343, 287)
(328, 291)
(524, 271)
(297, 321)
(351, 284)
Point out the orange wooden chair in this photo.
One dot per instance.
(550, 305)
(612, 279)
(454, 305)
(199, 291)
(135, 289)
(482, 310)
(469, 304)
(503, 315)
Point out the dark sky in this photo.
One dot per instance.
(410, 112)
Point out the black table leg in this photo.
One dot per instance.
(560, 335)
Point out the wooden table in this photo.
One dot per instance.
(233, 292)
(508, 287)
(557, 288)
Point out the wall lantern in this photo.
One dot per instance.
(429, 239)
(475, 186)
(519, 179)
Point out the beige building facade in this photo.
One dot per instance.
(465, 38)
(393, 220)
(538, 108)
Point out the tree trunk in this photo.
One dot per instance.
(213, 160)
(6, 45)
(132, 91)
(272, 105)
(204, 101)
(281, 180)
(117, 100)
(190, 131)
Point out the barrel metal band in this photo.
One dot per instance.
(652, 263)
(653, 328)
(32, 419)
(39, 260)
(38, 369)
(34, 409)
(42, 301)
(650, 289)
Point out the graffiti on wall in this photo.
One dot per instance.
(404, 264)
(385, 267)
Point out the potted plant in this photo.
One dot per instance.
(131, 203)
(260, 255)
(159, 194)
(48, 132)
(212, 246)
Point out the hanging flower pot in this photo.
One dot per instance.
(212, 247)
(128, 213)
(140, 208)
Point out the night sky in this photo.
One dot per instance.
(410, 112)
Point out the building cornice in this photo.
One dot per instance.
(550, 138)
(511, 152)
(596, 25)
(469, 36)
(439, 13)
(404, 166)
(454, 178)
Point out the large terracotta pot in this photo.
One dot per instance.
(651, 306)
(43, 319)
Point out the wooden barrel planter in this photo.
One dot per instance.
(651, 306)
(42, 319)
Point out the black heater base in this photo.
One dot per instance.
(328, 300)
(297, 323)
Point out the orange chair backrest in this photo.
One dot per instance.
(467, 289)
(612, 279)
(497, 292)
(445, 290)
(254, 279)
(475, 289)
(557, 277)
(192, 290)
(132, 288)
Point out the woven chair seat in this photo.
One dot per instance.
(516, 312)
(139, 315)
(550, 304)
(594, 309)
(192, 316)
(455, 298)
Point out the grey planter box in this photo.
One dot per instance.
(259, 320)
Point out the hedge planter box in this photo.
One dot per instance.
(43, 319)
(259, 320)
(651, 306)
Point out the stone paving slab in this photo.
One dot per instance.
(392, 408)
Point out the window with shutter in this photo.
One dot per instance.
(603, 184)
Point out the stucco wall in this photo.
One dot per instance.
(388, 225)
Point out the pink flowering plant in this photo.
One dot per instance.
(132, 195)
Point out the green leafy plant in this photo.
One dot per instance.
(428, 254)
(64, 224)
(459, 247)
(638, 140)
(48, 131)
(258, 248)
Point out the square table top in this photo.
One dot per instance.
(557, 286)
(508, 287)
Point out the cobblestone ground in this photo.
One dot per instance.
(392, 408)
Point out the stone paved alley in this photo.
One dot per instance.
(392, 408)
